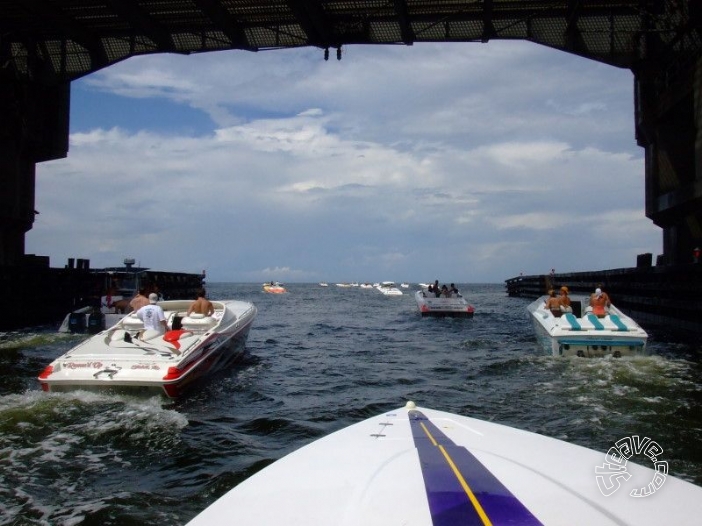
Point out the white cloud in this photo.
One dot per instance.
(473, 162)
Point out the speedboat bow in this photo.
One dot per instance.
(582, 333)
(421, 467)
(126, 357)
(454, 307)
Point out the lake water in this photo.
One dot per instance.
(319, 359)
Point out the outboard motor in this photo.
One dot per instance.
(76, 322)
(96, 322)
(577, 308)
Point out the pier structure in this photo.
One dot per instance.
(46, 44)
(42, 295)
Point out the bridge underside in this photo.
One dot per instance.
(45, 44)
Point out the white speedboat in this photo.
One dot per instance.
(454, 307)
(581, 333)
(125, 357)
(389, 288)
(421, 467)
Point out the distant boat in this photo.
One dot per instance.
(389, 289)
(404, 285)
(323, 284)
(454, 307)
(274, 287)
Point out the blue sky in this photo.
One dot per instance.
(458, 162)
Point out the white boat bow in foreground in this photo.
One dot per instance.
(421, 467)
(125, 357)
(581, 333)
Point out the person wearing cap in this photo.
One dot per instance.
(152, 315)
(599, 301)
(564, 300)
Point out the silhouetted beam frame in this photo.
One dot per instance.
(310, 15)
(64, 25)
(317, 27)
(220, 17)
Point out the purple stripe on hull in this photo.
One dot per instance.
(448, 501)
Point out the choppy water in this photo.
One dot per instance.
(318, 359)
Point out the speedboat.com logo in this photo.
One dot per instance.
(613, 472)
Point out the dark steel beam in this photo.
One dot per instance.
(408, 36)
(62, 27)
(222, 19)
(310, 15)
(574, 39)
(488, 27)
(143, 24)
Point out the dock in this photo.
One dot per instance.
(37, 294)
(663, 298)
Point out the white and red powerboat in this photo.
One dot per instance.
(126, 357)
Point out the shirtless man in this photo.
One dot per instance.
(139, 301)
(564, 300)
(201, 305)
(553, 304)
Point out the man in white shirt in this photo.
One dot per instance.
(152, 315)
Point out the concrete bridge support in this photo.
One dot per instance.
(669, 128)
(33, 128)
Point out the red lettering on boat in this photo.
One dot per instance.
(85, 365)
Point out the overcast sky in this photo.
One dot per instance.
(458, 162)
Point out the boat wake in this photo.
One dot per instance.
(67, 442)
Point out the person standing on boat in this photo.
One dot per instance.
(201, 305)
(599, 301)
(152, 315)
(454, 291)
